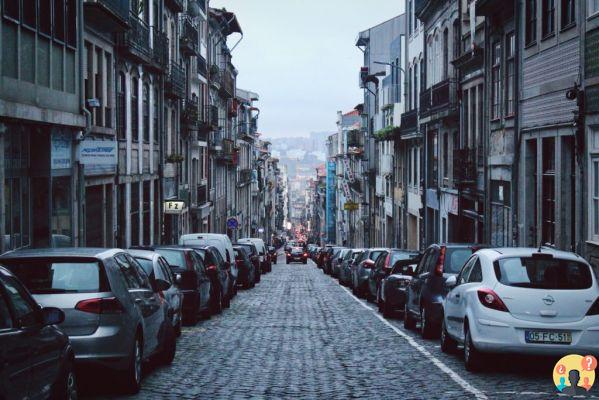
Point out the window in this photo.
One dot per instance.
(466, 117)
(134, 109)
(141, 274)
(445, 53)
(568, 13)
(5, 318)
(476, 275)
(593, 7)
(128, 271)
(595, 197)
(548, 22)
(24, 312)
(496, 81)
(59, 18)
(542, 273)
(464, 274)
(531, 21)
(446, 155)
(548, 191)
(510, 53)
(121, 104)
(146, 112)
(155, 116)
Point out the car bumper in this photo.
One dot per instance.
(395, 297)
(506, 334)
(108, 346)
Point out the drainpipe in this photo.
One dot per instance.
(78, 168)
(517, 136)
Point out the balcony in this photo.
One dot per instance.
(175, 5)
(409, 122)
(209, 120)
(135, 42)
(441, 98)
(111, 15)
(202, 66)
(228, 154)
(188, 40)
(190, 115)
(202, 195)
(464, 167)
(245, 176)
(160, 51)
(227, 88)
(174, 83)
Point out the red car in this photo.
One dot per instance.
(297, 254)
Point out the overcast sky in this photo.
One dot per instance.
(300, 57)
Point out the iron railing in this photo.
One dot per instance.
(409, 121)
(174, 84)
(136, 40)
(160, 51)
(188, 40)
(202, 66)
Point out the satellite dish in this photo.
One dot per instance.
(193, 9)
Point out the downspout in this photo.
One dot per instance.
(80, 173)
(517, 135)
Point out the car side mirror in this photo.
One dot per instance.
(451, 282)
(52, 315)
(162, 285)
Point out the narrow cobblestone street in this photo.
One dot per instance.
(299, 334)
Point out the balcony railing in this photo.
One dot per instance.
(160, 51)
(441, 97)
(112, 15)
(245, 176)
(202, 66)
(174, 84)
(209, 120)
(215, 74)
(354, 138)
(464, 166)
(136, 40)
(409, 121)
(227, 154)
(175, 5)
(191, 113)
(227, 88)
(425, 102)
(188, 41)
(203, 195)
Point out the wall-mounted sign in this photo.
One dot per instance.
(351, 206)
(98, 152)
(348, 171)
(61, 149)
(174, 207)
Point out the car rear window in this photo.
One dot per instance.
(543, 273)
(455, 259)
(146, 264)
(400, 256)
(173, 257)
(375, 255)
(43, 276)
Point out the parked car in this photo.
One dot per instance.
(345, 270)
(113, 316)
(218, 272)
(361, 271)
(337, 261)
(194, 284)
(254, 258)
(37, 357)
(521, 301)
(272, 251)
(156, 267)
(427, 289)
(383, 266)
(393, 288)
(265, 263)
(332, 254)
(297, 254)
(224, 246)
(246, 277)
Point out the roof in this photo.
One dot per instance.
(529, 251)
(227, 20)
(354, 113)
(92, 252)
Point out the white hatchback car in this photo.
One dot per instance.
(522, 300)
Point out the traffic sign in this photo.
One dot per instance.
(232, 223)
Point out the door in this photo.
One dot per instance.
(377, 273)
(416, 282)
(173, 295)
(454, 310)
(203, 281)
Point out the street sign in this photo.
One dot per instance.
(351, 206)
(232, 223)
(174, 207)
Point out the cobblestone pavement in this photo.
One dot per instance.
(299, 335)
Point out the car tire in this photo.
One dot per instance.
(66, 386)
(305, 261)
(427, 330)
(472, 357)
(132, 375)
(178, 329)
(448, 344)
(408, 320)
(167, 355)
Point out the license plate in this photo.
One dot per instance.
(548, 337)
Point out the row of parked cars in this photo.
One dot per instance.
(536, 301)
(65, 310)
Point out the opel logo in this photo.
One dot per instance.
(548, 300)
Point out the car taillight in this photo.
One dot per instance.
(106, 305)
(211, 268)
(305, 254)
(490, 299)
(440, 262)
(368, 264)
(388, 261)
(594, 310)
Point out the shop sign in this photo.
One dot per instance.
(61, 150)
(98, 152)
(174, 207)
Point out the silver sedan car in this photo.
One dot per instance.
(114, 316)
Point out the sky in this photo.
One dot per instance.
(300, 57)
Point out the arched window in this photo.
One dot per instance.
(146, 112)
(134, 109)
(121, 107)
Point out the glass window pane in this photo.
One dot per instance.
(61, 211)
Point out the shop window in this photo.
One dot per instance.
(595, 198)
(146, 212)
(134, 215)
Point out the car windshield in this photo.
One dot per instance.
(399, 256)
(146, 264)
(49, 276)
(543, 273)
(175, 258)
(455, 259)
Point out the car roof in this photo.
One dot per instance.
(145, 254)
(91, 252)
(502, 252)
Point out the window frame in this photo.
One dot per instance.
(510, 78)
(548, 18)
(566, 24)
(496, 87)
(531, 23)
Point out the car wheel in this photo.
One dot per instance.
(178, 328)
(448, 345)
(426, 327)
(167, 355)
(472, 357)
(66, 386)
(305, 261)
(408, 319)
(132, 376)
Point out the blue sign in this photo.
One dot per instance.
(232, 223)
